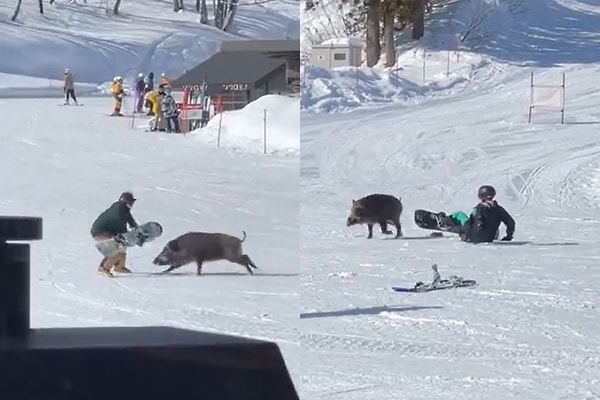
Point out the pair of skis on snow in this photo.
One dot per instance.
(437, 283)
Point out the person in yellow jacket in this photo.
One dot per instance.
(118, 93)
(153, 101)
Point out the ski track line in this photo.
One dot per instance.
(575, 358)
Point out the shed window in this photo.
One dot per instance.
(339, 56)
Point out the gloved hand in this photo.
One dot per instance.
(507, 238)
(119, 238)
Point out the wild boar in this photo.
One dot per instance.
(377, 209)
(199, 247)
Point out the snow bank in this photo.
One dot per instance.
(345, 88)
(244, 129)
(13, 86)
(341, 89)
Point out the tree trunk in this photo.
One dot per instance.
(41, 4)
(418, 29)
(373, 44)
(17, 10)
(203, 12)
(116, 7)
(388, 38)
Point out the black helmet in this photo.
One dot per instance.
(486, 192)
(127, 197)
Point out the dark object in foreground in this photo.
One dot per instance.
(150, 363)
(14, 273)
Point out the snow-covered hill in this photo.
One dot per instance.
(146, 36)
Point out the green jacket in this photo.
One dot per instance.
(113, 220)
(461, 217)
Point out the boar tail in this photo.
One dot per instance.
(244, 238)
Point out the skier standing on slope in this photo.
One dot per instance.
(118, 93)
(110, 223)
(139, 93)
(149, 82)
(483, 222)
(69, 87)
(169, 109)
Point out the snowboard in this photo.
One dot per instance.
(149, 231)
(437, 284)
(429, 220)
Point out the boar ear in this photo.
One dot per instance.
(353, 202)
(173, 245)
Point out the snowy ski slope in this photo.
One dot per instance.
(146, 36)
(529, 330)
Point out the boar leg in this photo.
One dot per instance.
(246, 262)
(171, 268)
(384, 229)
(370, 228)
(399, 233)
(199, 262)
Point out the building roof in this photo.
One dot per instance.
(261, 45)
(230, 67)
(289, 55)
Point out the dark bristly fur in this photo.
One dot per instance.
(377, 209)
(200, 247)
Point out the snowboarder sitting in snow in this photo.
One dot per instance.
(110, 223)
(483, 223)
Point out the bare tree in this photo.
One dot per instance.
(388, 9)
(17, 10)
(177, 5)
(373, 32)
(418, 28)
(203, 10)
(116, 7)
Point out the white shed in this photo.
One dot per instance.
(334, 53)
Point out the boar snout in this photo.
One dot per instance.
(162, 258)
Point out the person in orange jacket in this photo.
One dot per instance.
(164, 80)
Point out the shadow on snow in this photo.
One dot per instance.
(365, 311)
